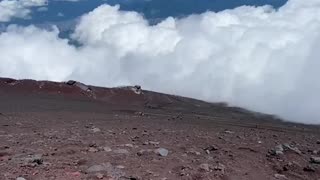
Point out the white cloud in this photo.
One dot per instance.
(69, 0)
(18, 8)
(60, 14)
(42, 9)
(254, 57)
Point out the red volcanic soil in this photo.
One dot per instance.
(71, 131)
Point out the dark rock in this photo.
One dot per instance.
(140, 114)
(309, 169)
(93, 145)
(210, 149)
(35, 159)
(71, 82)
(9, 80)
(81, 162)
(132, 178)
(138, 87)
(144, 152)
(315, 160)
(220, 167)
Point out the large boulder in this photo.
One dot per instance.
(79, 85)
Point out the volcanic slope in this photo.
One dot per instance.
(70, 131)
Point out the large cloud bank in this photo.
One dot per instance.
(18, 8)
(255, 57)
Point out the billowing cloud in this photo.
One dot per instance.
(18, 8)
(254, 57)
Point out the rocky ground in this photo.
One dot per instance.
(70, 131)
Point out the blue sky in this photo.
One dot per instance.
(60, 11)
(64, 13)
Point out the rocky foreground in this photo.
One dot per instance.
(71, 131)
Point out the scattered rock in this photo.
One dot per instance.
(76, 174)
(35, 159)
(120, 167)
(121, 151)
(92, 149)
(107, 149)
(145, 133)
(281, 148)
(82, 86)
(99, 168)
(95, 130)
(135, 138)
(18, 124)
(81, 162)
(154, 143)
(152, 106)
(105, 168)
(220, 167)
(248, 148)
(146, 143)
(210, 149)
(309, 169)
(193, 152)
(280, 176)
(278, 150)
(289, 147)
(291, 166)
(314, 152)
(204, 167)
(129, 145)
(79, 85)
(93, 145)
(140, 153)
(132, 178)
(144, 151)
(20, 178)
(228, 132)
(162, 152)
(4, 154)
(139, 113)
(99, 175)
(315, 160)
